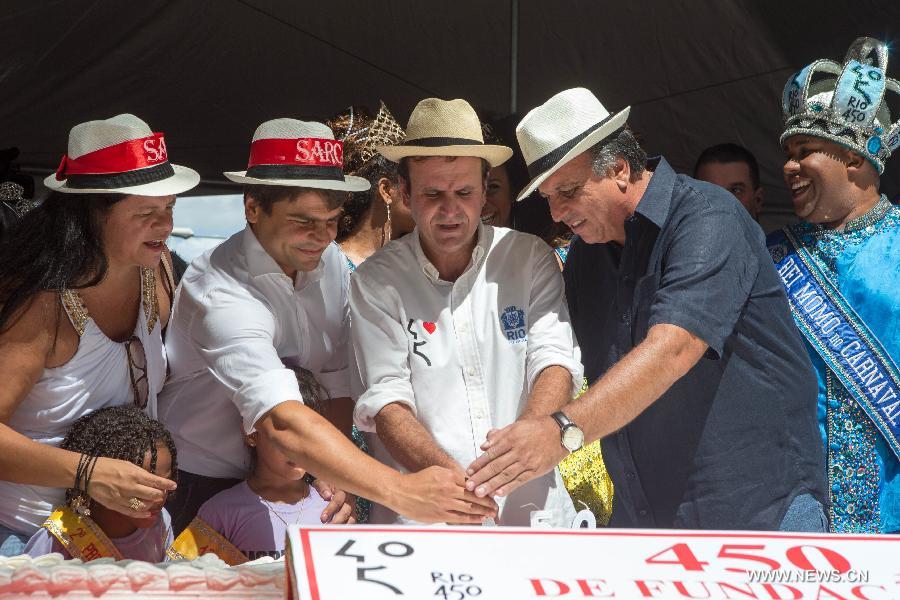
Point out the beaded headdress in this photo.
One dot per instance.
(363, 136)
(846, 103)
(12, 194)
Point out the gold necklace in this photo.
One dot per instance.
(277, 514)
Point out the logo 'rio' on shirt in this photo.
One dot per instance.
(513, 322)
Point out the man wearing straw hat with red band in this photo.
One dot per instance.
(701, 390)
(459, 327)
(269, 300)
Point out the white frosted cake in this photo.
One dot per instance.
(51, 576)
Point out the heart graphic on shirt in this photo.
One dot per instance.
(429, 326)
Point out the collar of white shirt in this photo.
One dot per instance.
(261, 264)
(485, 236)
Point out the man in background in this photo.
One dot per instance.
(734, 168)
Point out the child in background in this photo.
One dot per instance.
(250, 520)
(87, 530)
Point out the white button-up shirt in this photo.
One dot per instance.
(237, 320)
(463, 356)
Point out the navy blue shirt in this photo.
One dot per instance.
(731, 443)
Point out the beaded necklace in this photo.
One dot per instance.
(278, 515)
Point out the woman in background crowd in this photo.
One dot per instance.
(500, 193)
(372, 218)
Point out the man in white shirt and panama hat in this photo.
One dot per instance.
(458, 328)
(273, 297)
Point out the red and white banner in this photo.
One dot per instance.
(460, 563)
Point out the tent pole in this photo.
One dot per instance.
(513, 55)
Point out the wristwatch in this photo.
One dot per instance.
(570, 435)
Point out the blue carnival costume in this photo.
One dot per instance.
(844, 290)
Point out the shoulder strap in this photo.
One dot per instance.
(149, 299)
(75, 309)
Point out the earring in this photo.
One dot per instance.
(389, 229)
(386, 230)
(81, 506)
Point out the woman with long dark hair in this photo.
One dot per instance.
(372, 218)
(85, 290)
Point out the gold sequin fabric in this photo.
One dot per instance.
(78, 313)
(76, 310)
(587, 480)
(148, 297)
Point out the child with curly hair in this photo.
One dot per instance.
(85, 529)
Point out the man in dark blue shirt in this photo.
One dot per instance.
(701, 389)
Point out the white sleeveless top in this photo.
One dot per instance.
(96, 377)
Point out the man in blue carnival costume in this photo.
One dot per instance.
(841, 270)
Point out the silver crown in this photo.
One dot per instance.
(846, 103)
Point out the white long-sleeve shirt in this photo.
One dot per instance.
(237, 320)
(463, 356)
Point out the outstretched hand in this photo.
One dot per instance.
(438, 495)
(115, 482)
(515, 455)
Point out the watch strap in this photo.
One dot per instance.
(562, 420)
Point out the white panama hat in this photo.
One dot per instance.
(296, 153)
(121, 155)
(562, 128)
(445, 128)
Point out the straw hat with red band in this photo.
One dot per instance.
(297, 154)
(121, 155)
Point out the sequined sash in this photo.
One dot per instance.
(843, 340)
(198, 539)
(80, 535)
(78, 313)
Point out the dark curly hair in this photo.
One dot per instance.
(123, 432)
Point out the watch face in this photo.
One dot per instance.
(573, 439)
